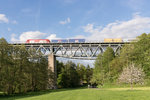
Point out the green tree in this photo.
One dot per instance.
(102, 68)
(69, 76)
(137, 52)
(20, 72)
(141, 50)
(89, 73)
(38, 71)
(108, 56)
(81, 70)
(115, 69)
(6, 71)
(59, 66)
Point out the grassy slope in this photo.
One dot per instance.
(87, 94)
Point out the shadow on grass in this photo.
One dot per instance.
(32, 94)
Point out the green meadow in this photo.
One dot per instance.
(138, 93)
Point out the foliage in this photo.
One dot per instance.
(68, 76)
(132, 74)
(101, 73)
(18, 73)
(108, 67)
(115, 69)
(72, 75)
(59, 67)
(138, 52)
(88, 74)
(81, 70)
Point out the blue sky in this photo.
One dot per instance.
(93, 20)
(89, 19)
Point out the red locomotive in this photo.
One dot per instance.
(38, 41)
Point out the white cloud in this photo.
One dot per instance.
(52, 36)
(31, 35)
(65, 21)
(119, 29)
(3, 18)
(13, 38)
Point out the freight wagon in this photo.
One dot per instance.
(60, 41)
(76, 40)
(113, 40)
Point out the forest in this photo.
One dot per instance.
(130, 66)
(23, 71)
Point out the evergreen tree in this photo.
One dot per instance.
(69, 76)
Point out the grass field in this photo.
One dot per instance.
(139, 93)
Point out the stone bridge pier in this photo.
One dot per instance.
(53, 74)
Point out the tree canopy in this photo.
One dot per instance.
(18, 73)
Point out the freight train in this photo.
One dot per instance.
(69, 40)
(55, 41)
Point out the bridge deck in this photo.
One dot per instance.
(86, 50)
(73, 44)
